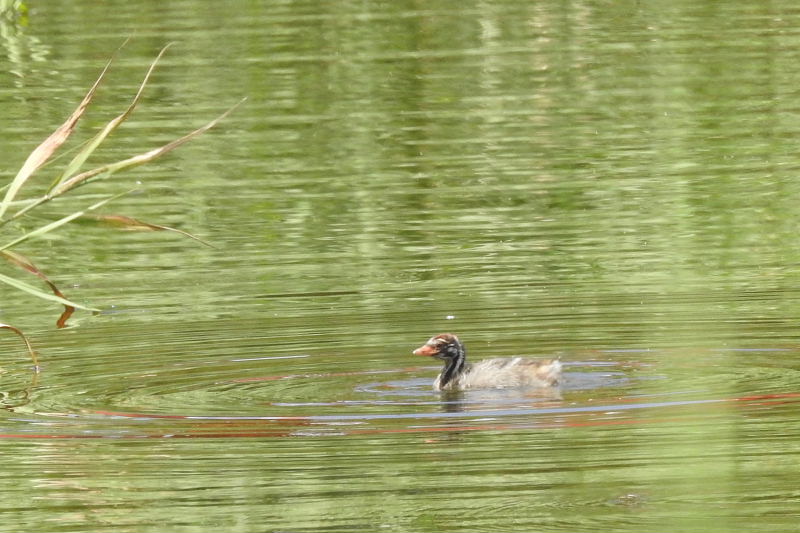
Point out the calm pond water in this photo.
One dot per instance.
(612, 182)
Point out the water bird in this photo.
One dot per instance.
(457, 374)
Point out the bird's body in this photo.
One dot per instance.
(457, 374)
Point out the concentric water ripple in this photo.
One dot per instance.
(207, 399)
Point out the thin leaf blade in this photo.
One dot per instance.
(42, 153)
(28, 345)
(81, 157)
(47, 228)
(22, 286)
(134, 224)
(26, 264)
(140, 159)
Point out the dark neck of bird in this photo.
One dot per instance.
(454, 365)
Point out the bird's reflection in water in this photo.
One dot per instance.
(458, 401)
(493, 408)
(453, 401)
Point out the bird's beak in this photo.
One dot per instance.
(426, 349)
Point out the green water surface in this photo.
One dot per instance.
(615, 182)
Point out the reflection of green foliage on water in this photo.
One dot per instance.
(13, 8)
(13, 207)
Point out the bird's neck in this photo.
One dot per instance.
(454, 366)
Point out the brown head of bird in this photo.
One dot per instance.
(445, 347)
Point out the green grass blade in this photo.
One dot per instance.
(32, 204)
(47, 228)
(17, 284)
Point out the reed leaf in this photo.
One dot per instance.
(134, 224)
(80, 158)
(71, 178)
(26, 264)
(20, 285)
(47, 228)
(42, 153)
(22, 336)
(146, 157)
